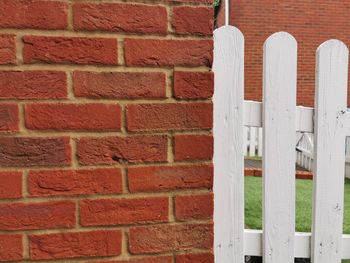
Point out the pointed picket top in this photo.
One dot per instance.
(279, 136)
(228, 145)
(329, 151)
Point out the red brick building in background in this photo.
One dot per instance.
(310, 22)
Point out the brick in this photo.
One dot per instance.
(153, 52)
(30, 151)
(10, 185)
(193, 1)
(7, 48)
(20, 216)
(91, 116)
(79, 244)
(168, 238)
(193, 147)
(193, 85)
(195, 258)
(119, 85)
(161, 178)
(155, 259)
(169, 116)
(307, 22)
(77, 50)
(11, 248)
(75, 182)
(193, 20)
(110, 150)
(9, 118)
(35, 14)
(33, 85)
(134, 18)
(124, 211)
(194, 207)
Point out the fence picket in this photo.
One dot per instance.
(260, 143)
(228, 146)
(246, 140)
(330, 106)
(252, 141)
(279, 123)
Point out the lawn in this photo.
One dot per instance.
(253, 205)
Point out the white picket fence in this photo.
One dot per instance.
(252, 141)
(305, 152)
(281, 120)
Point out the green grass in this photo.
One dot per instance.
(253, 205)
(253, 158)
(253, 208)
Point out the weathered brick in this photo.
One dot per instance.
(30, 151)
(169, 116)
(78, 244)
(195, 258)
(91, 116)
(11, 248)
(193, 85)
(33, 85)
(7, 48)
(119, 85)
(167, 238)
(110, 150)
(154, 52)
(124, 211)
(193, 147)
(24, 216)
(63, 116)
(193, 20)
(9, 118)
(135, 18)
(78, 50)
(75, 182)
(36, 14)
(161, 178)
(194, 206)
(10, 185)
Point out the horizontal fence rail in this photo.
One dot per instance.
(253, 244)
(253, 116)
(284, 124)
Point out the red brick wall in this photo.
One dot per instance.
(311, 23)
(105, 131)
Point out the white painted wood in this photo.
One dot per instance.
(252, 141)
(305, 151)
(228, 146)
(253, 116)
(346, 247)
(260, 142)
(253, 244)
(302, 245)
(330, 106)
(246, 140)
(304, 119)
(279, 96)
(252, 113)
